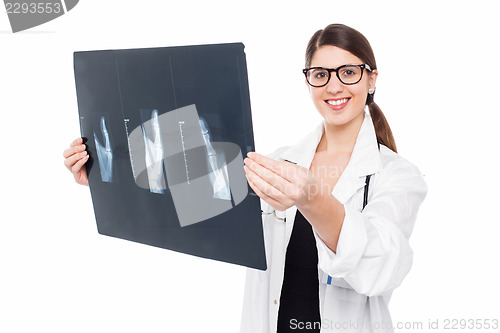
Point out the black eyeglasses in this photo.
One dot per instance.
(347, 74)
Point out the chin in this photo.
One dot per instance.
(341, 118)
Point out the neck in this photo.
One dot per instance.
(340, 138)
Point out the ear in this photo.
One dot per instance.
(372, 78)
(308, 87)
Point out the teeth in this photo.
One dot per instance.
(337, 102)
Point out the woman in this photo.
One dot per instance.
(338, 207)
(338, 218)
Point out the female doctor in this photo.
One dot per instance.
(338, 207)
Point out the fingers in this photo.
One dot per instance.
(75, 147)
(75, 156)
(289, 187)
(269, 163)
(267, 191)
(76, 142)
(77, 167)
(286, 170)
(74, 159)
(267, 175)
(265, 197)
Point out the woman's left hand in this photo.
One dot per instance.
(281, 184)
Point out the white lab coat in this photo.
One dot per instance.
(373, 254)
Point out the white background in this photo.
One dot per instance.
(438, 87)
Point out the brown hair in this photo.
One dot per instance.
(354, 42)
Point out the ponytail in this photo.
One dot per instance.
(382, 128)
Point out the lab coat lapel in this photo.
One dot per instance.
(364, 161)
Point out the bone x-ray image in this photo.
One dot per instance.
(101, 139)
(218, 174)
(166, 130)
(104, 153)
(153, 151)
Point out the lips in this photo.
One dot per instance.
(337, 104)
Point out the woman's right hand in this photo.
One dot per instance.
(75, 158)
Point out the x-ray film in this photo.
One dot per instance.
(167, 130)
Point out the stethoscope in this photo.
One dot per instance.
(275, 216)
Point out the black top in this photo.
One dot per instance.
(299, 302)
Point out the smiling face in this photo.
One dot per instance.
(339, 104)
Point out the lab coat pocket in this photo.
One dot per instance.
(343, 310)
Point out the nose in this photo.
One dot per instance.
(334, 86)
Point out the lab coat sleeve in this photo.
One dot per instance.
(373, 254)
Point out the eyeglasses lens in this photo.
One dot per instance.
(318, 77)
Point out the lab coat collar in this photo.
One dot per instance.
(365, 158)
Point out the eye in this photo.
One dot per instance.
(349, 71)
(318, 74)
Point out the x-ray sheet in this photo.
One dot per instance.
(167, 130)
